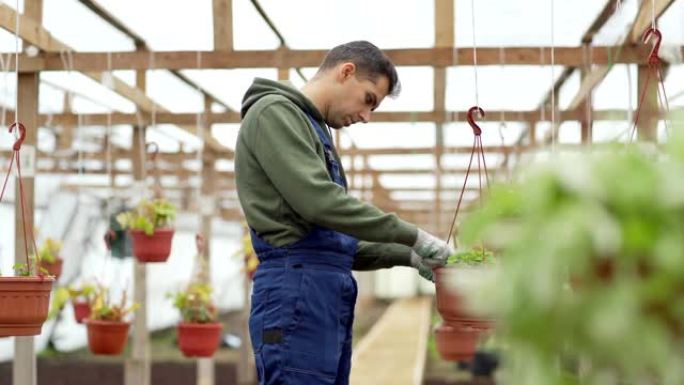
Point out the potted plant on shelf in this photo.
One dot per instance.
(594, 271)
(48, 257)
(107, 328)
(150, 227)
(198, 332)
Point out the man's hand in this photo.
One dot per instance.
(424, 270)
(432, 250)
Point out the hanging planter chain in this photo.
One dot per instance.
(481, 165)
(15, 156)
(654, 66)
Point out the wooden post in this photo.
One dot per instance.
(137, 366)
(647, 127)
(207, 203)
(586, 109)
(444, 37)
(24, 363)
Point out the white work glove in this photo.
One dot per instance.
(424, 270)
(432, 250)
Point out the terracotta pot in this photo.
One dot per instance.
(199, 340)
(107, 337)
(450, 303)
(24, 303)
(152, 248)
(456, 342)
(81, 310)
(53, 268)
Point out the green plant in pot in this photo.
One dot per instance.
(198, 332)
(24, 298)
(107, 325)
(80, 297)
(457, 336)
(150, 227)
(592, 269)
(48, 257)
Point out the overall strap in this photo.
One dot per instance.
(330, 160)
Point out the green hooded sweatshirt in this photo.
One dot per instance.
(285, 189)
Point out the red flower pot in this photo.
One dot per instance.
(450, 303)
(81, 310)
(24, 303)
(152, 248)
(199, 340)
(107, 337)
(456, 342)
(53, 268)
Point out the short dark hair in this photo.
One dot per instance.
(370, 62)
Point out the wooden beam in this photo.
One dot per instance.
(223, 25)
(440, 57)
(24, 360)
(598, 23)
(645, 17)
(641, 23)
(190, 119)
(35, 34)
(647, 126)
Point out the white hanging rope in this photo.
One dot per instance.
(200, 150)
(653, 14)
(472, 13)
(16, 66)
(542, 111)
(4, 64)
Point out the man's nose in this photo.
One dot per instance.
(365, 115)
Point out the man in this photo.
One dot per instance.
(307, 232)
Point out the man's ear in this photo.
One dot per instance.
(347, 70)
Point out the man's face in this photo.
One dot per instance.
(355, 97)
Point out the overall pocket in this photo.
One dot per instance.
(313, 341)
(256, 319)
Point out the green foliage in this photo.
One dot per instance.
(62, 295)
(49, 250)
(102, 309)
(148, 216)
(195, 304)
(592, 258)
(24, 270)
(471, 257)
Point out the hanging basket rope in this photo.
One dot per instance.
(157, 187)
(654, 66)
(16, 158)
(481, 164)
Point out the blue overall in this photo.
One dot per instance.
(303, 303)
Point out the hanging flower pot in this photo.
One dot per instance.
(81, 310)
(150, 229)
(199, 340)
(107, 330)
(152, 248)
(107, 337)
(450, 300)
(456, 342)
(24, 304)
(53, 268)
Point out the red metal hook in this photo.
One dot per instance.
(653, 56)
(155, 151)
(471, 120)
(22, 135)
